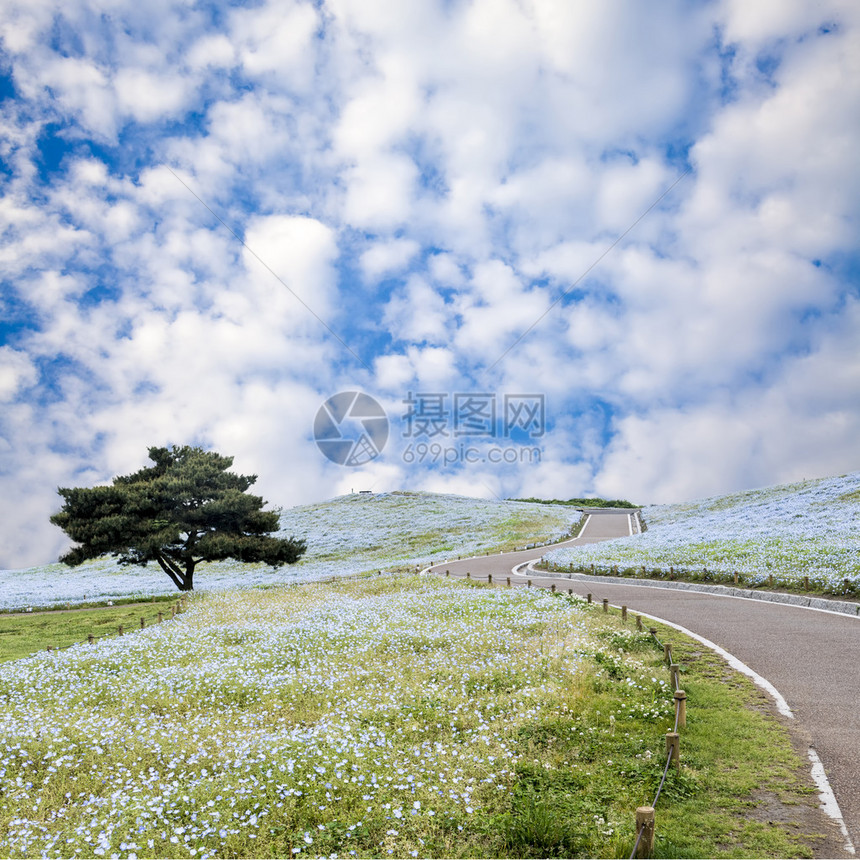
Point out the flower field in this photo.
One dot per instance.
(348, 535)
(780, 535)
(373, 717)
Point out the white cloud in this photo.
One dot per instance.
(276, 39)
(380, 192)
(16, 371)
(386, 258)
(429, 368)
(212, 51)
(301, 251)
(755, 23)
(149, 96)
(83, 90)
(418, 313)
(497, 307)
(800, 425)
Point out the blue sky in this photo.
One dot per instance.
(215, 216)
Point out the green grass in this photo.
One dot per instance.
(582, 503)
(21, 635)
(449, 719)
(734, 750)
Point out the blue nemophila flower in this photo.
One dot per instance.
(162, 764)
(781, 534)
(361, 536)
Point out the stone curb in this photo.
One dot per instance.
(843, 607)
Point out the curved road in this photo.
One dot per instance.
(811, 657)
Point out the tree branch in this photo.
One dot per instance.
(171, 570)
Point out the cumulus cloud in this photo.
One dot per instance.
(387, 258)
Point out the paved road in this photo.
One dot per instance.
(811, 657)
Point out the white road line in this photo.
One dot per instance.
(584, 527)
(828, 799)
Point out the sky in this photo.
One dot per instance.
(563, 248)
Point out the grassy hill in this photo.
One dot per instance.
(781, 534)
(346, 535)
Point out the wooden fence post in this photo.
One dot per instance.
(90, 639)
(606, 604)
(142, 623)
(588, 597)
(675, 669)
(673, 744)
(490, 578)
(120, 629)
(681, 708)
(509, 582)
(645, 825)
(639, 622)
(552, 588)
(624, 613)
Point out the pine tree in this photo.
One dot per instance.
(185, 509)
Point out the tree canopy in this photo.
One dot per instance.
(185, 509)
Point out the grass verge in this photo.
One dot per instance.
(809, 586)
(21, 635)
(391, 716)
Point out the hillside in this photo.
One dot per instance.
(346, 535)
(806, 529)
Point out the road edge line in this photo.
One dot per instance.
(828, 799)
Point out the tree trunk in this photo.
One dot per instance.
(182, 580)
(188, 585)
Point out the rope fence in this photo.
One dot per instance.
(645, 815)
(121, 630)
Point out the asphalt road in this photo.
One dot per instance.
(811, 657)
